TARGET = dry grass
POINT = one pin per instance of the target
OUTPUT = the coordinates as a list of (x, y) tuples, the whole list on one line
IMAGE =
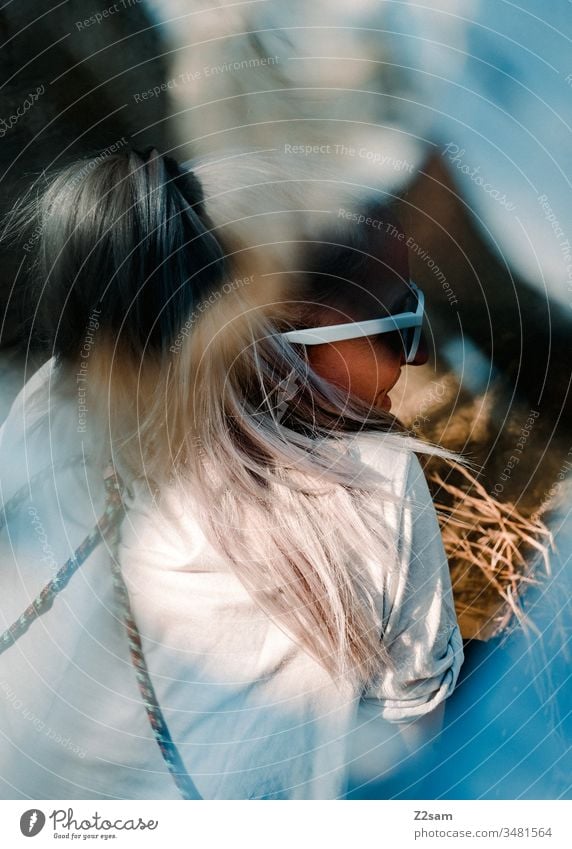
[(494, 552)]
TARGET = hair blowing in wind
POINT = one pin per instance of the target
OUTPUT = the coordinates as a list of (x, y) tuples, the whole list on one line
[(187, 375)]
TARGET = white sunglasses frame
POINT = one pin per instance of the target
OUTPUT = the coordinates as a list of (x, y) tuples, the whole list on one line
[(371, 327)]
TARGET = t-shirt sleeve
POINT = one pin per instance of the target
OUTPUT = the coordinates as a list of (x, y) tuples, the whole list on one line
[(421, 631)]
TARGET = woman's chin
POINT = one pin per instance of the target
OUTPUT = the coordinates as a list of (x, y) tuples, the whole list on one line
[(384, 403)]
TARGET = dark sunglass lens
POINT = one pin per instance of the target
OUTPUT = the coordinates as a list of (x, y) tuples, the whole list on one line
[(412, 302), (397, 342), (407, 339), (408, 333)]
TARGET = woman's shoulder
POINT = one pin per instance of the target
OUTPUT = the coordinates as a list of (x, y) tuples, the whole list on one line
[(391, 455), (25, 406), (40, 437)]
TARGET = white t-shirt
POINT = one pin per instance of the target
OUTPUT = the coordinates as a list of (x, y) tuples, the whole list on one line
[(253, 715)]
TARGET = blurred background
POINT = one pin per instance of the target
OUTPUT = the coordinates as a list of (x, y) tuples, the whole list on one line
[(459, 109)]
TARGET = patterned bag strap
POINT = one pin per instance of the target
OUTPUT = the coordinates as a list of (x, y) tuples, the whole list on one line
[(106, 529), (45, 599), (170, 753)]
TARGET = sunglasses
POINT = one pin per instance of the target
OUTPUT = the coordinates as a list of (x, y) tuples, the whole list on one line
[(408, 324)]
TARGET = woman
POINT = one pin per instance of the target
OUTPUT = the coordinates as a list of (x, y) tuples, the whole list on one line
[(279, 559)]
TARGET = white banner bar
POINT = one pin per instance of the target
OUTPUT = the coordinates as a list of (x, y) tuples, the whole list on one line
[(291, 825)]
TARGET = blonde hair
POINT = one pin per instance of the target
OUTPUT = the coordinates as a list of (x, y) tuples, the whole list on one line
[(268, 470)]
